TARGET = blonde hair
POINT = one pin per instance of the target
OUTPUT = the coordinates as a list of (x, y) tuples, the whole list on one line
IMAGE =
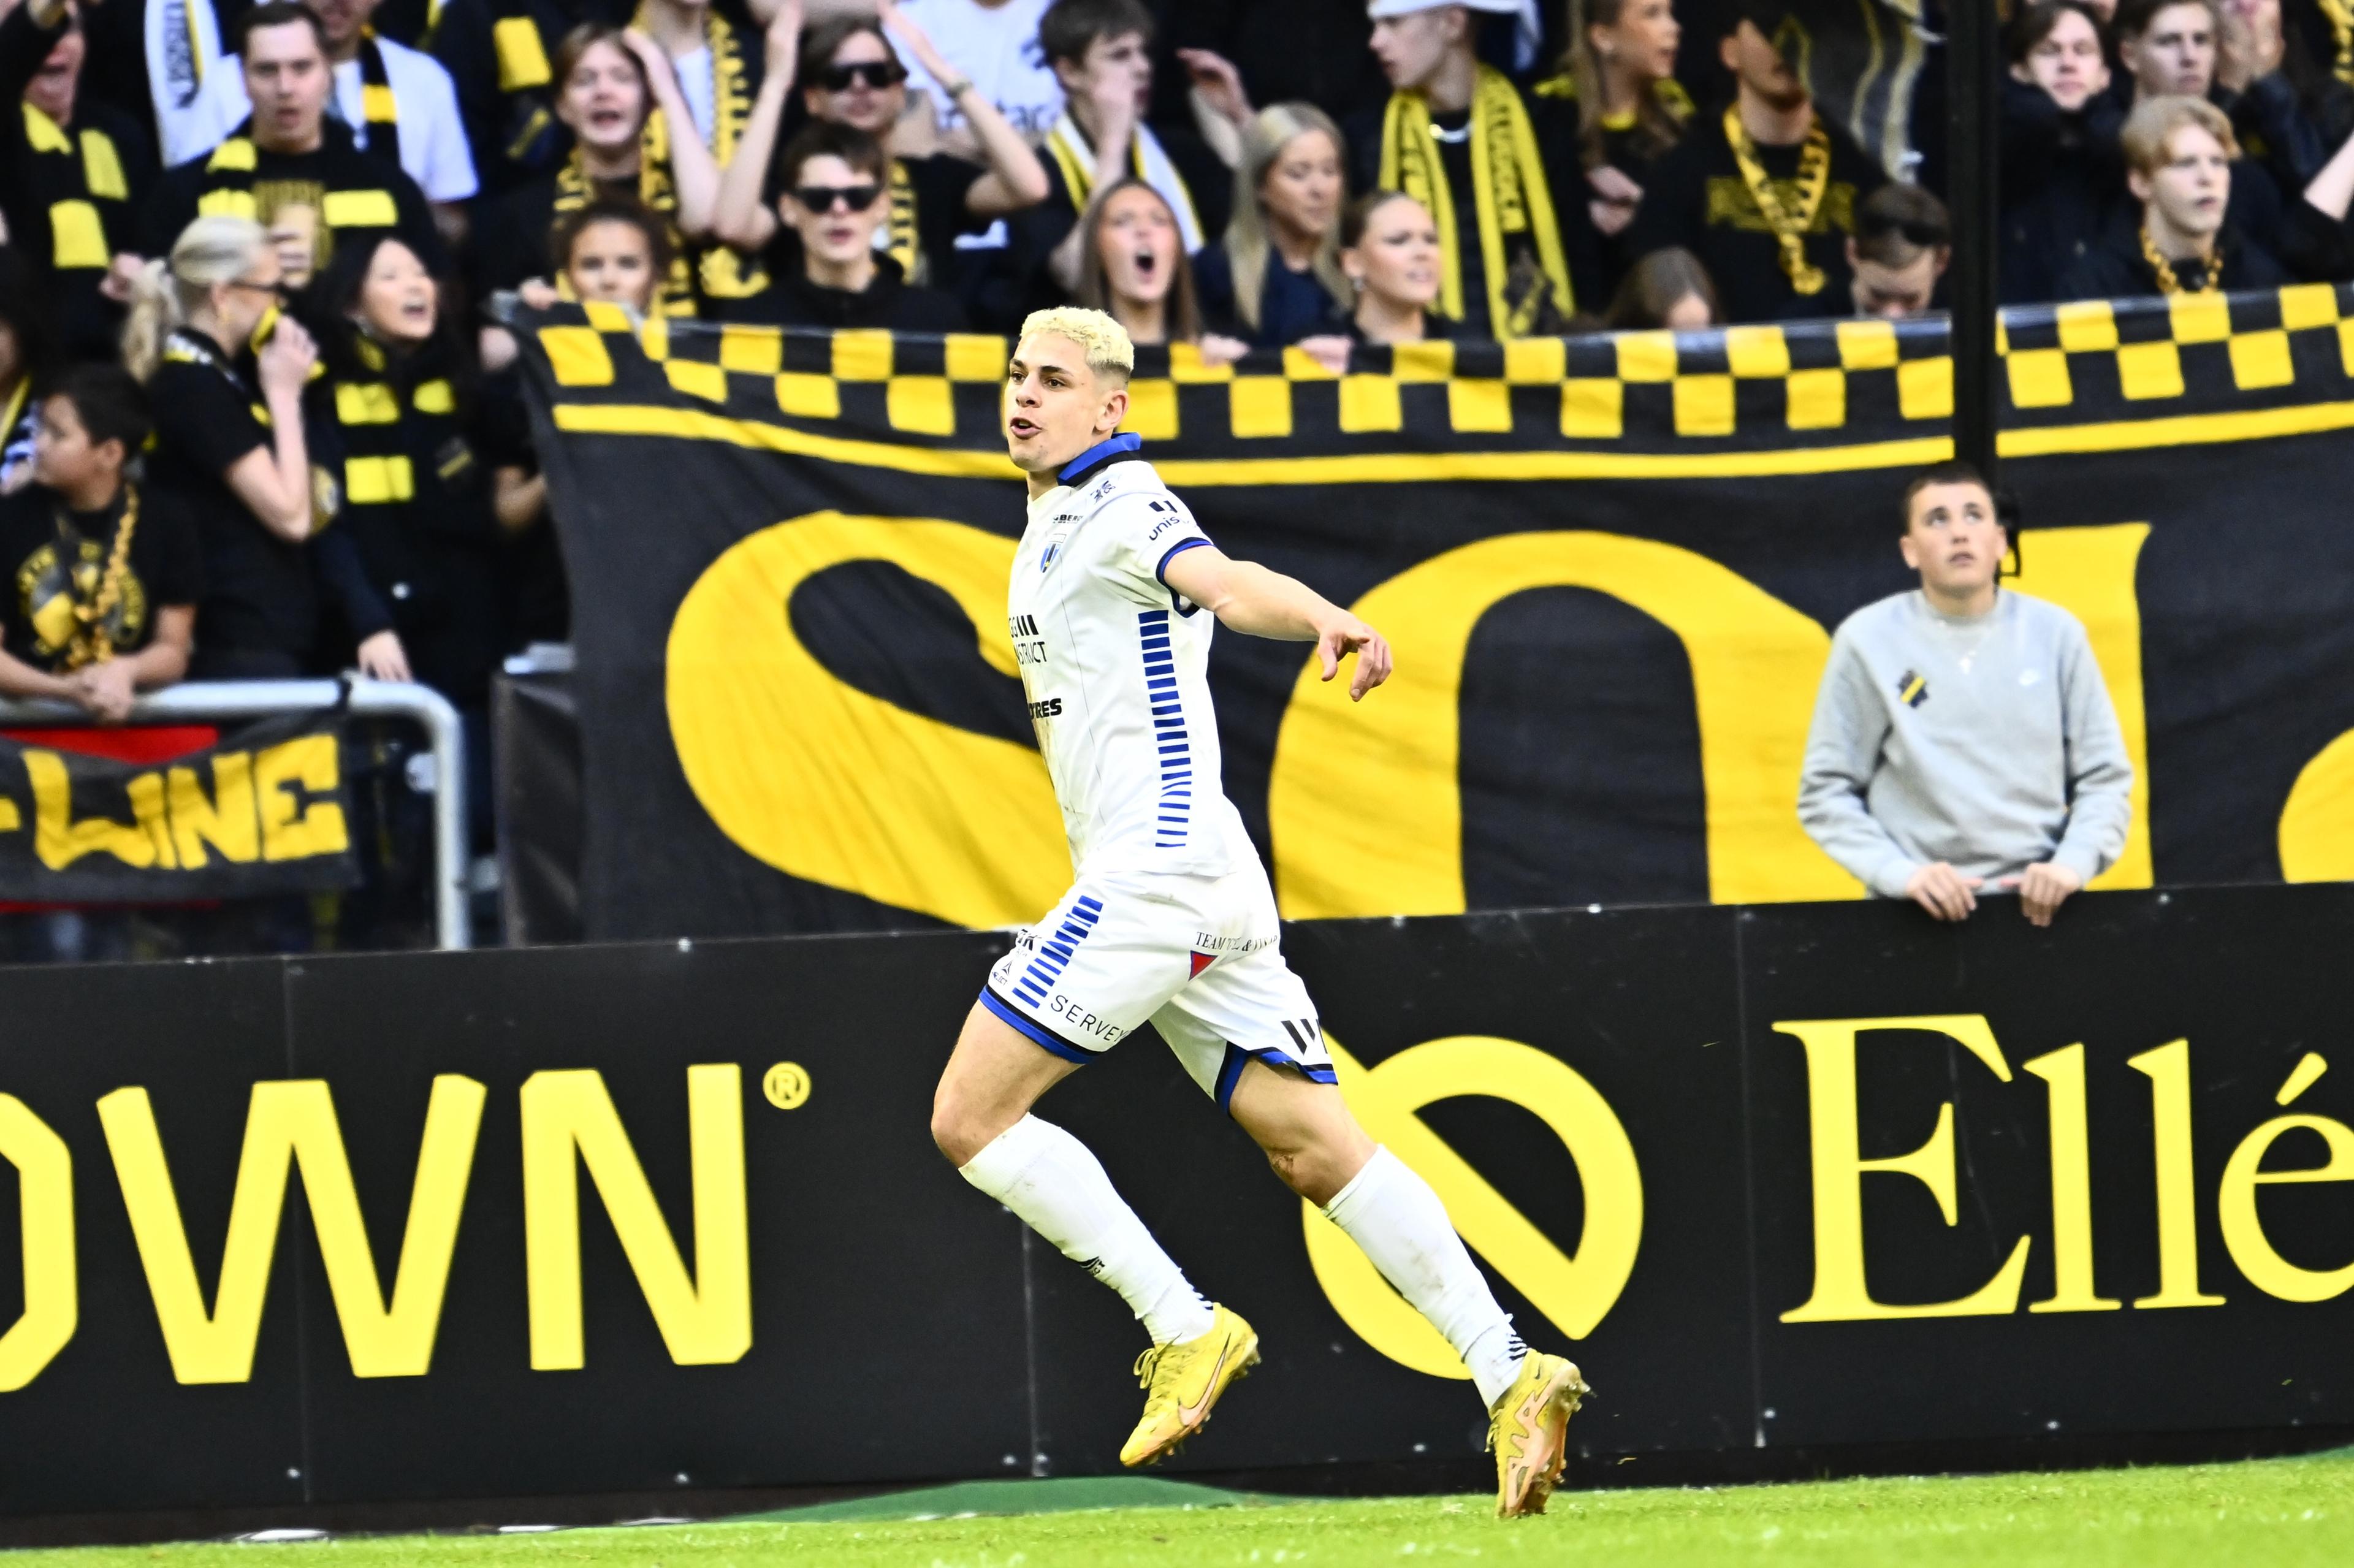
[(213, 250), (2154, 121), (1273, 128), (1103, 340)]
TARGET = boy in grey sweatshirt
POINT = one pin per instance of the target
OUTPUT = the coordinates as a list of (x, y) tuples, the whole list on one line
[(1963, 737)]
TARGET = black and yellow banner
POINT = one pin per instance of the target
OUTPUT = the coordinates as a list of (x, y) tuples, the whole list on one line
[(1610, 567), (667, 1216), (262, 812)]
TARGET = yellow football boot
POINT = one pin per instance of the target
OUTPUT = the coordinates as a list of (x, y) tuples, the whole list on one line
[(1181, 1381), (1529, 1433)]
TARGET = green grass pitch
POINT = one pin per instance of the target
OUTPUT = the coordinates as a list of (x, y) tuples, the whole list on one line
[(2278, 1513)]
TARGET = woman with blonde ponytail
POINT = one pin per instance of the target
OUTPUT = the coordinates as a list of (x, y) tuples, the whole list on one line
[(228, 440), (1276, 278)]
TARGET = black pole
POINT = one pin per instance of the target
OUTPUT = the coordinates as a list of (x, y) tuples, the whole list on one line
[(1972, 68)]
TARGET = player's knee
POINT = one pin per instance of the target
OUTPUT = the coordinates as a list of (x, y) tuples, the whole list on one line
[(955, 1130)]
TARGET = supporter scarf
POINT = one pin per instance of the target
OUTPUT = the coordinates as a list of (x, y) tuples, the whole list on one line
[(87, 174), (1071, 155), (378, 105), (393, 418), (901, 230), (2339, 14), (1509, 193), (575, 190), (725, 275), (93, 594), (1789, 224), (2170, 284), (178, 33)]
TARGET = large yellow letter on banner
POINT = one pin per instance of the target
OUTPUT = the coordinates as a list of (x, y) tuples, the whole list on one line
[(1363, 805), (294, 1122), (831, 785), (1574, 1292), (2089, 572)]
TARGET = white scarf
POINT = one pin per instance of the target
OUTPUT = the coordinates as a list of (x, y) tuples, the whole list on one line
[(1069, 145), (182, 39)]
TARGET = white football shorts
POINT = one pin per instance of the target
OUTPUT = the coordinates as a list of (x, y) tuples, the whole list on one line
[(1194, 956)]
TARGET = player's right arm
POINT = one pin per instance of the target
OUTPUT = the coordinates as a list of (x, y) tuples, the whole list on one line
[(1262, 603)]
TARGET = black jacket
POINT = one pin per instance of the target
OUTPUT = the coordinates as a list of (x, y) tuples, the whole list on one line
[(2115, 267), (889, 301), (2062, 177)]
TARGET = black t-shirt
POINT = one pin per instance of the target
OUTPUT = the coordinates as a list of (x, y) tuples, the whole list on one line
[(56, 558), (350, 191), (512, 232), (889, 301), (260, 603), (1697, 198)]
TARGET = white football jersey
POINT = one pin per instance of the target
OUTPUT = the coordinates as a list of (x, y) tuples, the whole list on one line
[(1116, 667)]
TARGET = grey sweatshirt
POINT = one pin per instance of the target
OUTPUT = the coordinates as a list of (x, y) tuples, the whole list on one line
[(1989, 743)]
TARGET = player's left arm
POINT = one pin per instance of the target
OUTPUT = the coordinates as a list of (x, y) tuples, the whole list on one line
[(1261, 603)]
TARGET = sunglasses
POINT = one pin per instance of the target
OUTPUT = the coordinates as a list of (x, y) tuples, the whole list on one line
[(820, 198), (864, 73), (275, 291)]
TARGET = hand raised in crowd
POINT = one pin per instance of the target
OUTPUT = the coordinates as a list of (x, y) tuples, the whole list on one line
[(382, 658), (1616, 198), (538, 292), (2252, 46), (105, 690), (661, 79), (902, 28), (121, 275), (784, 41), (1113, 94), (2043, 889), (1944, 892), (286, 360), (1219, 83)]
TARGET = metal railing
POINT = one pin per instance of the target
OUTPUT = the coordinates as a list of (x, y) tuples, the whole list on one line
[(196, 701)]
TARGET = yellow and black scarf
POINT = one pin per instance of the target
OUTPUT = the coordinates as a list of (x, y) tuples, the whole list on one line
[(378, 105), (1788, 221), (575, 190), (2339, 14), (72, 175), (1511, 196), (724, 274)]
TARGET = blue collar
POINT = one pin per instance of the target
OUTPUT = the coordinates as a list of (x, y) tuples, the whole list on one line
[(1102, 453)]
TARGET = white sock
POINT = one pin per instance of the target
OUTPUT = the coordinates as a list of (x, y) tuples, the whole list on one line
[(1398, 1222), (1060, 1189)]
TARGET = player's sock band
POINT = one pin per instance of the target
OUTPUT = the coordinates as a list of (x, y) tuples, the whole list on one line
[(1398, 1222), (1061, 1190)]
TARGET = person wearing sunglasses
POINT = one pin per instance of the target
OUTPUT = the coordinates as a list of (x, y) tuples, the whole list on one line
[(229, 445), (826, 272), (1903, 243), (941, 220)]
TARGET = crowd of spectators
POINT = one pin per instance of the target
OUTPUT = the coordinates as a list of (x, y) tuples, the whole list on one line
[(256, 242)]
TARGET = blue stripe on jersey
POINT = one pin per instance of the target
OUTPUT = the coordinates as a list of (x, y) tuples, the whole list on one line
[(1169, 728), (1230, 1070), (1055, 953), (1036, 1033)]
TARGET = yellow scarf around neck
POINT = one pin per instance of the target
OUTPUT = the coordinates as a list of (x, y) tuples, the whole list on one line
[(1511, 194)]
